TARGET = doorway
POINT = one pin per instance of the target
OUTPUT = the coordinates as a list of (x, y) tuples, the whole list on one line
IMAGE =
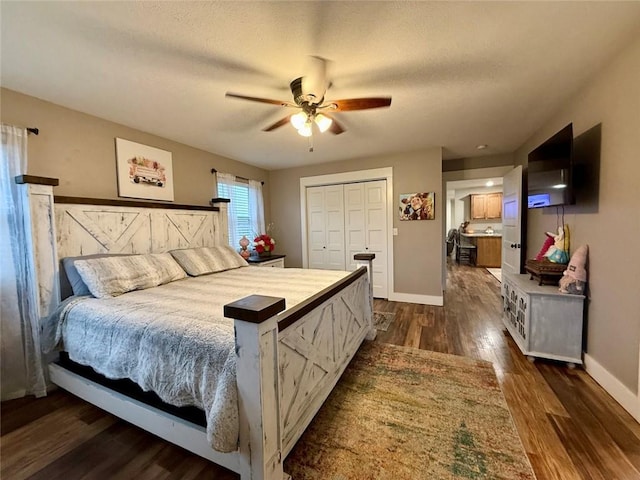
[(474, 203)]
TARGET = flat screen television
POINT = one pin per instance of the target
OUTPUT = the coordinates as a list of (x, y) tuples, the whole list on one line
[(550, 170)]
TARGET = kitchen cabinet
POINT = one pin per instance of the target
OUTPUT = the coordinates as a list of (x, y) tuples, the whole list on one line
[(488, 248), (494, 205), (486, 206), (489, 251)]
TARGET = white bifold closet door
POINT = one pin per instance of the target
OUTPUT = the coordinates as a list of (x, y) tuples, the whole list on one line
[(325, 223), (365, 220)]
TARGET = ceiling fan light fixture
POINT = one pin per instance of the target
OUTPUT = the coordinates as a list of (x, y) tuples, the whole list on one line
[(323, 122), (298, 120), (306, 130)]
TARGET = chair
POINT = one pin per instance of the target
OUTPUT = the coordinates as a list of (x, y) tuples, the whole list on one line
[(451, 240), (465, 251)]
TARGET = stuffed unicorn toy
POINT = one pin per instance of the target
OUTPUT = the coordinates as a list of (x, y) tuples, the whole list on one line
[(559, 251)]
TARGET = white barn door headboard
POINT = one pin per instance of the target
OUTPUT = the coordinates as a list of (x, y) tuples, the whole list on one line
[(83, 229)]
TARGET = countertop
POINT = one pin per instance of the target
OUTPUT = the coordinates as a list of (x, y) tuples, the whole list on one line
[(481, 234)]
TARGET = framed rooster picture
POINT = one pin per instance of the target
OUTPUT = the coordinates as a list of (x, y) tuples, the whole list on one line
[(417, 206)]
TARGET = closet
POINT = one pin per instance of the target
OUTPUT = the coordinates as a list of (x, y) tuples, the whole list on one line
[(346, 219), (325, 221)]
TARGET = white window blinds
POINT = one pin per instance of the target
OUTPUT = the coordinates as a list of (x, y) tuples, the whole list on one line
[(245, 208)]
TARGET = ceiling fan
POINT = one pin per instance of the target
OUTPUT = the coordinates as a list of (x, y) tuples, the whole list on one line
[(308, 97)]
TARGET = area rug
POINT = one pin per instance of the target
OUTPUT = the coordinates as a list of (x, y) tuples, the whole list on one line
[(400, 413), (496, 272), (382, 320)]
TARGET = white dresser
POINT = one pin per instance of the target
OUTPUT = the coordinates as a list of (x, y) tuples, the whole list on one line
[(543, 322)]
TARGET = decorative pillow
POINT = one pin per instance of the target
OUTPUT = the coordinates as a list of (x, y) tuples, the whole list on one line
[(204, 260), (72, 283), (113, 276)]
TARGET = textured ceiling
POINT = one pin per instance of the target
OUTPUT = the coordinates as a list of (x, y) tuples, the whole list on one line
[(460, 74)]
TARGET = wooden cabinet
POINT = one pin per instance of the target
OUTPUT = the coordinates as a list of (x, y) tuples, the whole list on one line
[(494, 205), (489, 252), (478, 207), (486, 206), (543, 322)]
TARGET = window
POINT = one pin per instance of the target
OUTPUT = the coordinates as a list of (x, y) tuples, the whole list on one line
[(246, 215)]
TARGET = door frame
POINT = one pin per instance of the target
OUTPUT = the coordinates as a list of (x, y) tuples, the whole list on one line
[(358, 176)]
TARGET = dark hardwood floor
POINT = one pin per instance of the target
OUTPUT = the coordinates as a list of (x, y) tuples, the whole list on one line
[(570, 428)]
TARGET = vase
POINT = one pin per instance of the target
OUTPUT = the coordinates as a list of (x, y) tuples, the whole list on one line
[(265, 254), (244, 242)]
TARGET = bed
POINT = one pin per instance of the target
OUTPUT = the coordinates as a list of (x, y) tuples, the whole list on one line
[(289, 353)]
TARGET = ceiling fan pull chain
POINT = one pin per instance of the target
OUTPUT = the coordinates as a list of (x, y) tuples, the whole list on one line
[(310, 137)]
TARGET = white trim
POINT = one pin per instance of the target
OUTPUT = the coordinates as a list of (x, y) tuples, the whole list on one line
[(385, 173), (629, 400), (417, 298)]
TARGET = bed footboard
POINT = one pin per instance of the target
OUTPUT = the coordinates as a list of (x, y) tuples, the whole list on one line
[(314, 351), (288, 364)]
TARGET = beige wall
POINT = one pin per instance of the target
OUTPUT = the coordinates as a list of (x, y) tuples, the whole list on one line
[(613, 100), (417, 248), (477, 163), (79, 149)]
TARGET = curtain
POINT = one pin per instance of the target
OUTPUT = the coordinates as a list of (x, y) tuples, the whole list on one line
[(225, 190), (22, 370), (256, 206)]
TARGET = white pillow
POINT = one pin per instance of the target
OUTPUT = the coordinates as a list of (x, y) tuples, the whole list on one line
[(113, 276), (204, 260), (73, 284)]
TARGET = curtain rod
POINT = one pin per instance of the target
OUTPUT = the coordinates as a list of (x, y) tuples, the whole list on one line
[(213, 171), (33, 130)]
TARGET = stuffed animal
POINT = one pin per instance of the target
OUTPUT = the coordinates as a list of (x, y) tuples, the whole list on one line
[(548, 242), (574, 278), (559, 251)]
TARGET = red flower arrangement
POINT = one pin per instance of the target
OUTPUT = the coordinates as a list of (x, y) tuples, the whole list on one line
[(264, 243)]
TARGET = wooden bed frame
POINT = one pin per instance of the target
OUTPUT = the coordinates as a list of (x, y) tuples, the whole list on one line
[(287, 362)]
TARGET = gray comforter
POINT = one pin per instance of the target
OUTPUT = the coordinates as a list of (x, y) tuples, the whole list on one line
[(174, 340)]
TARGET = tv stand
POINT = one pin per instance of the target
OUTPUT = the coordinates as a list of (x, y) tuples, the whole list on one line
[(543, 322)]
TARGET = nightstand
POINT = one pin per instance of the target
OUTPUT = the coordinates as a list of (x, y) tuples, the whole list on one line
[(276, 261)]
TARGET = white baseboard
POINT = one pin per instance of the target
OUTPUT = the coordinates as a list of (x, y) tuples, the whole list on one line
[(629, 400), (416, 298)]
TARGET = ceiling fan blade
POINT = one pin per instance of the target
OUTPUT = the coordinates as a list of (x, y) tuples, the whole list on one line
[(278, 124), (335, 127), (281, 103), (359, 103)]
